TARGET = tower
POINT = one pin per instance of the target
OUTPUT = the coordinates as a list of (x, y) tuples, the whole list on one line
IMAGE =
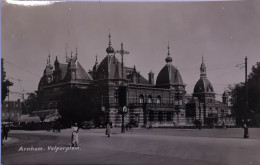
[(151, 77)]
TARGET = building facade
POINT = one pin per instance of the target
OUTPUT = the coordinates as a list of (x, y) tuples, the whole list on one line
[(203, 106), (161, 103), (11, 111)]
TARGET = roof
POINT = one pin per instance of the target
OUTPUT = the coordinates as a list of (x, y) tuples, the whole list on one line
[(81, 73), (203, 85), (169, 75), (110, 68)]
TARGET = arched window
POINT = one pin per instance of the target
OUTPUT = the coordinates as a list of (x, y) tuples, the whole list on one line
[(158, 100), (141, 98), (149, 99)]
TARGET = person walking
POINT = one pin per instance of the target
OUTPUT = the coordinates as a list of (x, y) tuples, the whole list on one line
[(108, 130), (5, 132), (75, 136)]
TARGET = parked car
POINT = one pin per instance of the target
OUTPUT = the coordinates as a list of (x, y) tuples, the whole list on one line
[(87, 125)]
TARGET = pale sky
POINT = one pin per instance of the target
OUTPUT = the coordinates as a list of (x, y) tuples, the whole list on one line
[(225, 32)]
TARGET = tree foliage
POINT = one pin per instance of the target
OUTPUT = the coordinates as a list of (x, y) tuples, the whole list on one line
[(238, 93), (4, 83), (78, 105), (30, 104)]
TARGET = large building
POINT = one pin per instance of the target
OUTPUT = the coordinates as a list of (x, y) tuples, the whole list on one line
[(161, 102), (203, 106)]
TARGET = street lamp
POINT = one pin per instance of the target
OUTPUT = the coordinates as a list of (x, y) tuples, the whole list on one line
[(122, 101), (145, 113)]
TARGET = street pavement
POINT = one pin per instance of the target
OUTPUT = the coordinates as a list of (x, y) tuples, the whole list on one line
[(136, 147)]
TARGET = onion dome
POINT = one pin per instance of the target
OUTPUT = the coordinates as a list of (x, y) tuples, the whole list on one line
[(203, 85), (110, 50), (169, 75), (168, 58)]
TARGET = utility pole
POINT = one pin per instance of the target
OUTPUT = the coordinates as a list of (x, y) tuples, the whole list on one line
[(9, 119), (122, 52), (246, 133), (246, 117)]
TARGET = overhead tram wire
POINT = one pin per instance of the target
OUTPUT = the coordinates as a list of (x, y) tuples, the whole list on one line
[(22, 68)]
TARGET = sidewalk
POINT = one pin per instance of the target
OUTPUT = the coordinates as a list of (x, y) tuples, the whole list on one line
[(10, 140)]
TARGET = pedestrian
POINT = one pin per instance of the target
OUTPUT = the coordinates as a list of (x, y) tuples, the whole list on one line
[(5, 132), (58, 126), (108, 130), (2, 136), (224, 125), (75, 136)]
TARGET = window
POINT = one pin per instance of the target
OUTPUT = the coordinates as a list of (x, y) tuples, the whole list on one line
[(149, 99), (3, 114), (12, 114), (141, 98), (6, 105), (158, 100)]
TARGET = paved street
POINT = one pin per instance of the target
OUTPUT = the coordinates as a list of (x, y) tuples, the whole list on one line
[(137, 146)]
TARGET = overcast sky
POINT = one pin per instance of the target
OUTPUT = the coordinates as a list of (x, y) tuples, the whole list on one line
[(225, 32)]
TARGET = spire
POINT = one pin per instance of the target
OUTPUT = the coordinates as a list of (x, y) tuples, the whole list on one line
[(56, 60), (109, 35), (168, 48), (96, 59), (109, 50), (76, 56), (49, 58), (202, 68), (168, 58)]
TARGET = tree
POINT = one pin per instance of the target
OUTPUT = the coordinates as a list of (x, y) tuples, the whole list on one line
[(5, 83), (30, 104), (237, 94), (78, 105)]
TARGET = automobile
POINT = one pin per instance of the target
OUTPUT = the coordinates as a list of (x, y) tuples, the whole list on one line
[(87, 125)]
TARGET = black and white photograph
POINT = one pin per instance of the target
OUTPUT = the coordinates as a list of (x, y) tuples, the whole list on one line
[(130, 82)]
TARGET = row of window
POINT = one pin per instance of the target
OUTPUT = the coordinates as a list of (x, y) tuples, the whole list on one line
[(7, 114), (157, 101), (169, 116), (16, 105)]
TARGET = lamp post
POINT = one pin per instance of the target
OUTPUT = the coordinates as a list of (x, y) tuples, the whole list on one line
[(145, 113), (122, 101)]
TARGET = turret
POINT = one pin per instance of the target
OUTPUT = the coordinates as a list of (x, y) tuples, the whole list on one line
[(151, 77)]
